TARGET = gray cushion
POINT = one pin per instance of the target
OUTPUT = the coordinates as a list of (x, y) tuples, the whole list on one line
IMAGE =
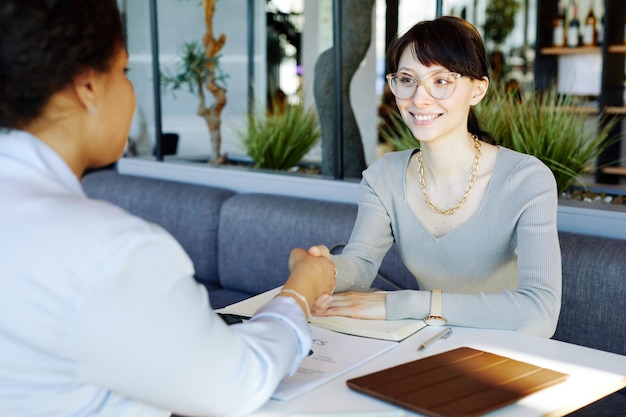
[(258, 231), (594, 291), (189, 212)]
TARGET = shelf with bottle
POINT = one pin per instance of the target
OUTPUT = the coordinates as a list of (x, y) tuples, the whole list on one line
[(587, 66), (566, 27), (574, 32)]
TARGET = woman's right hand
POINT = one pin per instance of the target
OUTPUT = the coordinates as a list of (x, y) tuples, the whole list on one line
[(362, 305), (312, 274)]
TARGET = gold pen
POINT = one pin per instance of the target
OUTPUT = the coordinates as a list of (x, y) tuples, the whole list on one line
[(444, 334)]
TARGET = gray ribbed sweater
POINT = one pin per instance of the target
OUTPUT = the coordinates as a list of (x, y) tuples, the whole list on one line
[(500, 269)]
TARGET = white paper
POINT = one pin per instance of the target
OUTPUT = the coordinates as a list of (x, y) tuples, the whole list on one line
[(395, 330), (332, 355)]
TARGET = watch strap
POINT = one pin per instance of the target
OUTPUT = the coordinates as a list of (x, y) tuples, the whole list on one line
[(435, 303), (435, 317)]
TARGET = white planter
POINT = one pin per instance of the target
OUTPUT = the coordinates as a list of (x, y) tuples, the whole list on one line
[(573, 216), (243, 180), (592, 218)]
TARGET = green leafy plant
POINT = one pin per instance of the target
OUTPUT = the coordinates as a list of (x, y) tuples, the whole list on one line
[(499, 23), (500, 20), (279, 140), (394, 131), (193, 69), (199, 70), (550, 126)]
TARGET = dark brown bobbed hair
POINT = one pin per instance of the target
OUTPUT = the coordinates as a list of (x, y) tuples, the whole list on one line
[(448, 41), (44, 44)]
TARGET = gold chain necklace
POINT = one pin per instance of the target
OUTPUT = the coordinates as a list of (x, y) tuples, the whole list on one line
[(468, 189)]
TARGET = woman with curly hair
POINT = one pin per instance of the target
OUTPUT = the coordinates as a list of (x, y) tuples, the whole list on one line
[(100, 314)]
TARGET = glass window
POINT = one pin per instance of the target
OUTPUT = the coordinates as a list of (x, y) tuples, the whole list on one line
[(290, 38)]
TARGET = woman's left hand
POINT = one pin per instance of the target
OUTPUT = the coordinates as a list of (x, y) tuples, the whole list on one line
[(360, 305)]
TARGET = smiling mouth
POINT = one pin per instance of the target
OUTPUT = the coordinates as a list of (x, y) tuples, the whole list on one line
[(425, 117)]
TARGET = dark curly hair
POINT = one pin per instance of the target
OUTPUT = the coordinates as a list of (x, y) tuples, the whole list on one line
[(448, 41), (44, 44)]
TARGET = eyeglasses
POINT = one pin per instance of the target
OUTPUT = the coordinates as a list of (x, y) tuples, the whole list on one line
[(439, 85)]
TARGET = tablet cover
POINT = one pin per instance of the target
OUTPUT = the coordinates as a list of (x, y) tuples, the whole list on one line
[(460, 382)]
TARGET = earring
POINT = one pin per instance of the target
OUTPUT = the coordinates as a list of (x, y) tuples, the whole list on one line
[(93, 110)]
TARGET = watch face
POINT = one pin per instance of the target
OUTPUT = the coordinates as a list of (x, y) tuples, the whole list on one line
[(435, 321)]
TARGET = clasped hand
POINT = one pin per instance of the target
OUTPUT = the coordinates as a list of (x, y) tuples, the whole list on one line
[(361, 305)]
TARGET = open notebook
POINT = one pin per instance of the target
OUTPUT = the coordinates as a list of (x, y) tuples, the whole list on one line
[(460, 382), (395, 330)]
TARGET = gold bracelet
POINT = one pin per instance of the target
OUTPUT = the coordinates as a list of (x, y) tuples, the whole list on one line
[(300, 296)]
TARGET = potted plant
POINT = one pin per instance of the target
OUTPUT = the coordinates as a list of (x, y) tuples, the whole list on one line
[(550, 126), (499, 22), (278, 138), (199, 71)]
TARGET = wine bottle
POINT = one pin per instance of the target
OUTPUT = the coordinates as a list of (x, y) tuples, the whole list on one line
[(573, 30), (558, 27), (589, 29)]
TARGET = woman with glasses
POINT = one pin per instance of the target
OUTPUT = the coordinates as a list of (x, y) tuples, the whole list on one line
[(100, 314), (475, 223)]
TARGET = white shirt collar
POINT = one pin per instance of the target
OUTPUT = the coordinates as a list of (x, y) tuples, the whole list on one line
[(27, 149)]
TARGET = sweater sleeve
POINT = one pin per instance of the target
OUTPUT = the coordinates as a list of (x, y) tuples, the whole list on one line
[(371, 237)]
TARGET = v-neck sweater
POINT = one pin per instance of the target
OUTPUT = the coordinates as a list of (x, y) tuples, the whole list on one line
[(499, 269)]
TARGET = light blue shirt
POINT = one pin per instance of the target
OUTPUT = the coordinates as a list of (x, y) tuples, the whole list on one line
[(100, 315)]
